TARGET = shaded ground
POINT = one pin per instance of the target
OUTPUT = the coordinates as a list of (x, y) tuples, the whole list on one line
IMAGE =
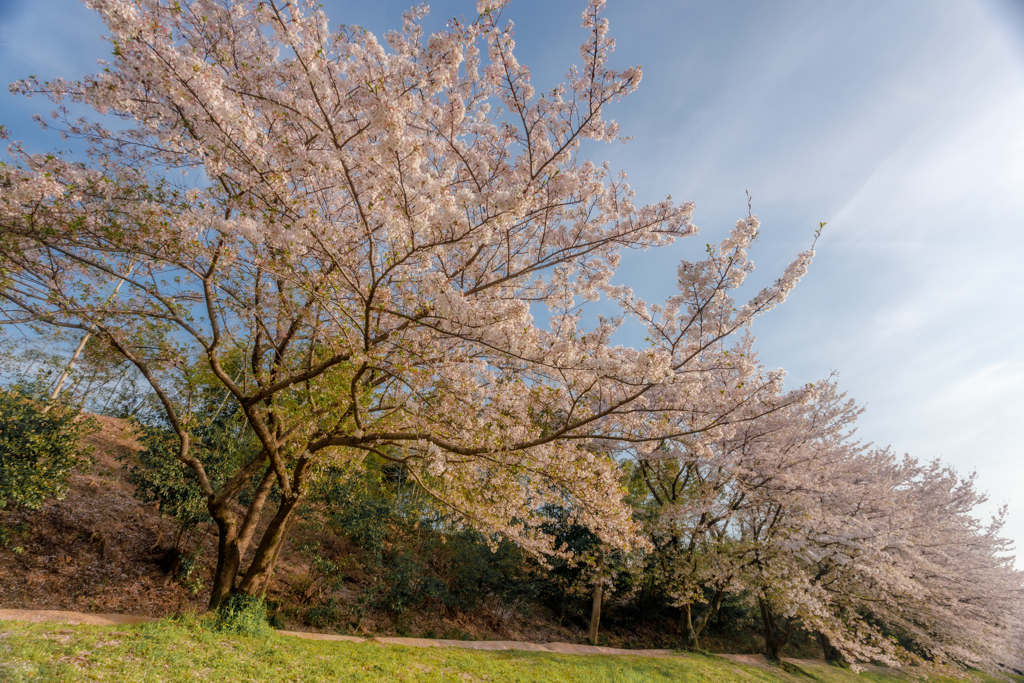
[(99, 549)]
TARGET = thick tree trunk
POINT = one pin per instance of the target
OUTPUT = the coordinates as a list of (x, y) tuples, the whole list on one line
[(775, 635), (595, 609), (229, 559), (233, 540), (690, 635), (832, 655)]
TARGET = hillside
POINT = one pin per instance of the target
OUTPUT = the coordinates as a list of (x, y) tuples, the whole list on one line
[(101, 550)]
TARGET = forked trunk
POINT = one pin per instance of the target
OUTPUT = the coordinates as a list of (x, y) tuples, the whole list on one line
[(832, 655), (233, 541), (693, 628), (261, 569), (775, 635)]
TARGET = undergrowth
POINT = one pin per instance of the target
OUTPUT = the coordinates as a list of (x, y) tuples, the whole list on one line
[(244, 615)]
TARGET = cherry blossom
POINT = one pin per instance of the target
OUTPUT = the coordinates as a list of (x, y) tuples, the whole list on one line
[(359, 266)]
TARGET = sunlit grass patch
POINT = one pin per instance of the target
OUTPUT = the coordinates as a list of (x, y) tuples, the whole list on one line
[(190, 650)]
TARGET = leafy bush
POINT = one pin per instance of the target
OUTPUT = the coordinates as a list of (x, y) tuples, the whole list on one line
[(407, 583), (187, 574), (566, 589), (322, 616), (159, 477), (414, 552), (37, 450), (244, 615)]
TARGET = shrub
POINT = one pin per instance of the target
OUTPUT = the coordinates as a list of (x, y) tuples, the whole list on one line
[(222, 442), (324, 615), (243, 615), (37, 450)]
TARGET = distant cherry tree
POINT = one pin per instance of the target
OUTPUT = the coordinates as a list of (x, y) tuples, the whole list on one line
[(883, 558)]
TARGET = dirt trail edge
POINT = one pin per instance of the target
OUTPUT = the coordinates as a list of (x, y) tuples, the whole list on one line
[(560, 648)]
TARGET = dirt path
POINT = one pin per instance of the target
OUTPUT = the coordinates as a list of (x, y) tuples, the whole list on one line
[(561, 648), (71, 617)]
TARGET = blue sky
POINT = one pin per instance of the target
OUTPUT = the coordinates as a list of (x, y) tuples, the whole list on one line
[(899, 122)]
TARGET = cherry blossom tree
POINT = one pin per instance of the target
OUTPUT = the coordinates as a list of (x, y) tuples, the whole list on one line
[(914, 562), (359, 264), (705, 487), (882, 557), (885, 560)]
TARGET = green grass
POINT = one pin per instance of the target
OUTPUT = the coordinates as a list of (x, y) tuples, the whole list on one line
[(190, 651)]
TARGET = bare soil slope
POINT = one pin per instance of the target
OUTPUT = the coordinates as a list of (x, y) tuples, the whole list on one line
[(99, 549)]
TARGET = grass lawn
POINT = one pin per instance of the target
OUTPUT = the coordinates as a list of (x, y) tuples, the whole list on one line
[(187, 651)]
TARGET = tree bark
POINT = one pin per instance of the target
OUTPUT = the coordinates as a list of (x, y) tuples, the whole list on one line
[(261, 569), (775, 635), (595, 609), (234, 539), (832, 655), (691, 630), (229, 559), (686, 621)]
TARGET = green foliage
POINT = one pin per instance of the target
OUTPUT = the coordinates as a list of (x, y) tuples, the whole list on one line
[(323, 616), (407, 583), (222, 442), (7, 533), (474, 571), (365, 520), (188, 574), (159, 477), (243, 615), (567, 587), (414, 553), (37, 450)]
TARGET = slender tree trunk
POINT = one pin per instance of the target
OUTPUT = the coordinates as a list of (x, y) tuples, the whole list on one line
[(595, 609), (832, 655), (68, 368), (261, 569), (775, 635), (81, 346), (691, 629)]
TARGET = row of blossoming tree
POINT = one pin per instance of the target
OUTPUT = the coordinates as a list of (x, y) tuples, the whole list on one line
[(356, 246)]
